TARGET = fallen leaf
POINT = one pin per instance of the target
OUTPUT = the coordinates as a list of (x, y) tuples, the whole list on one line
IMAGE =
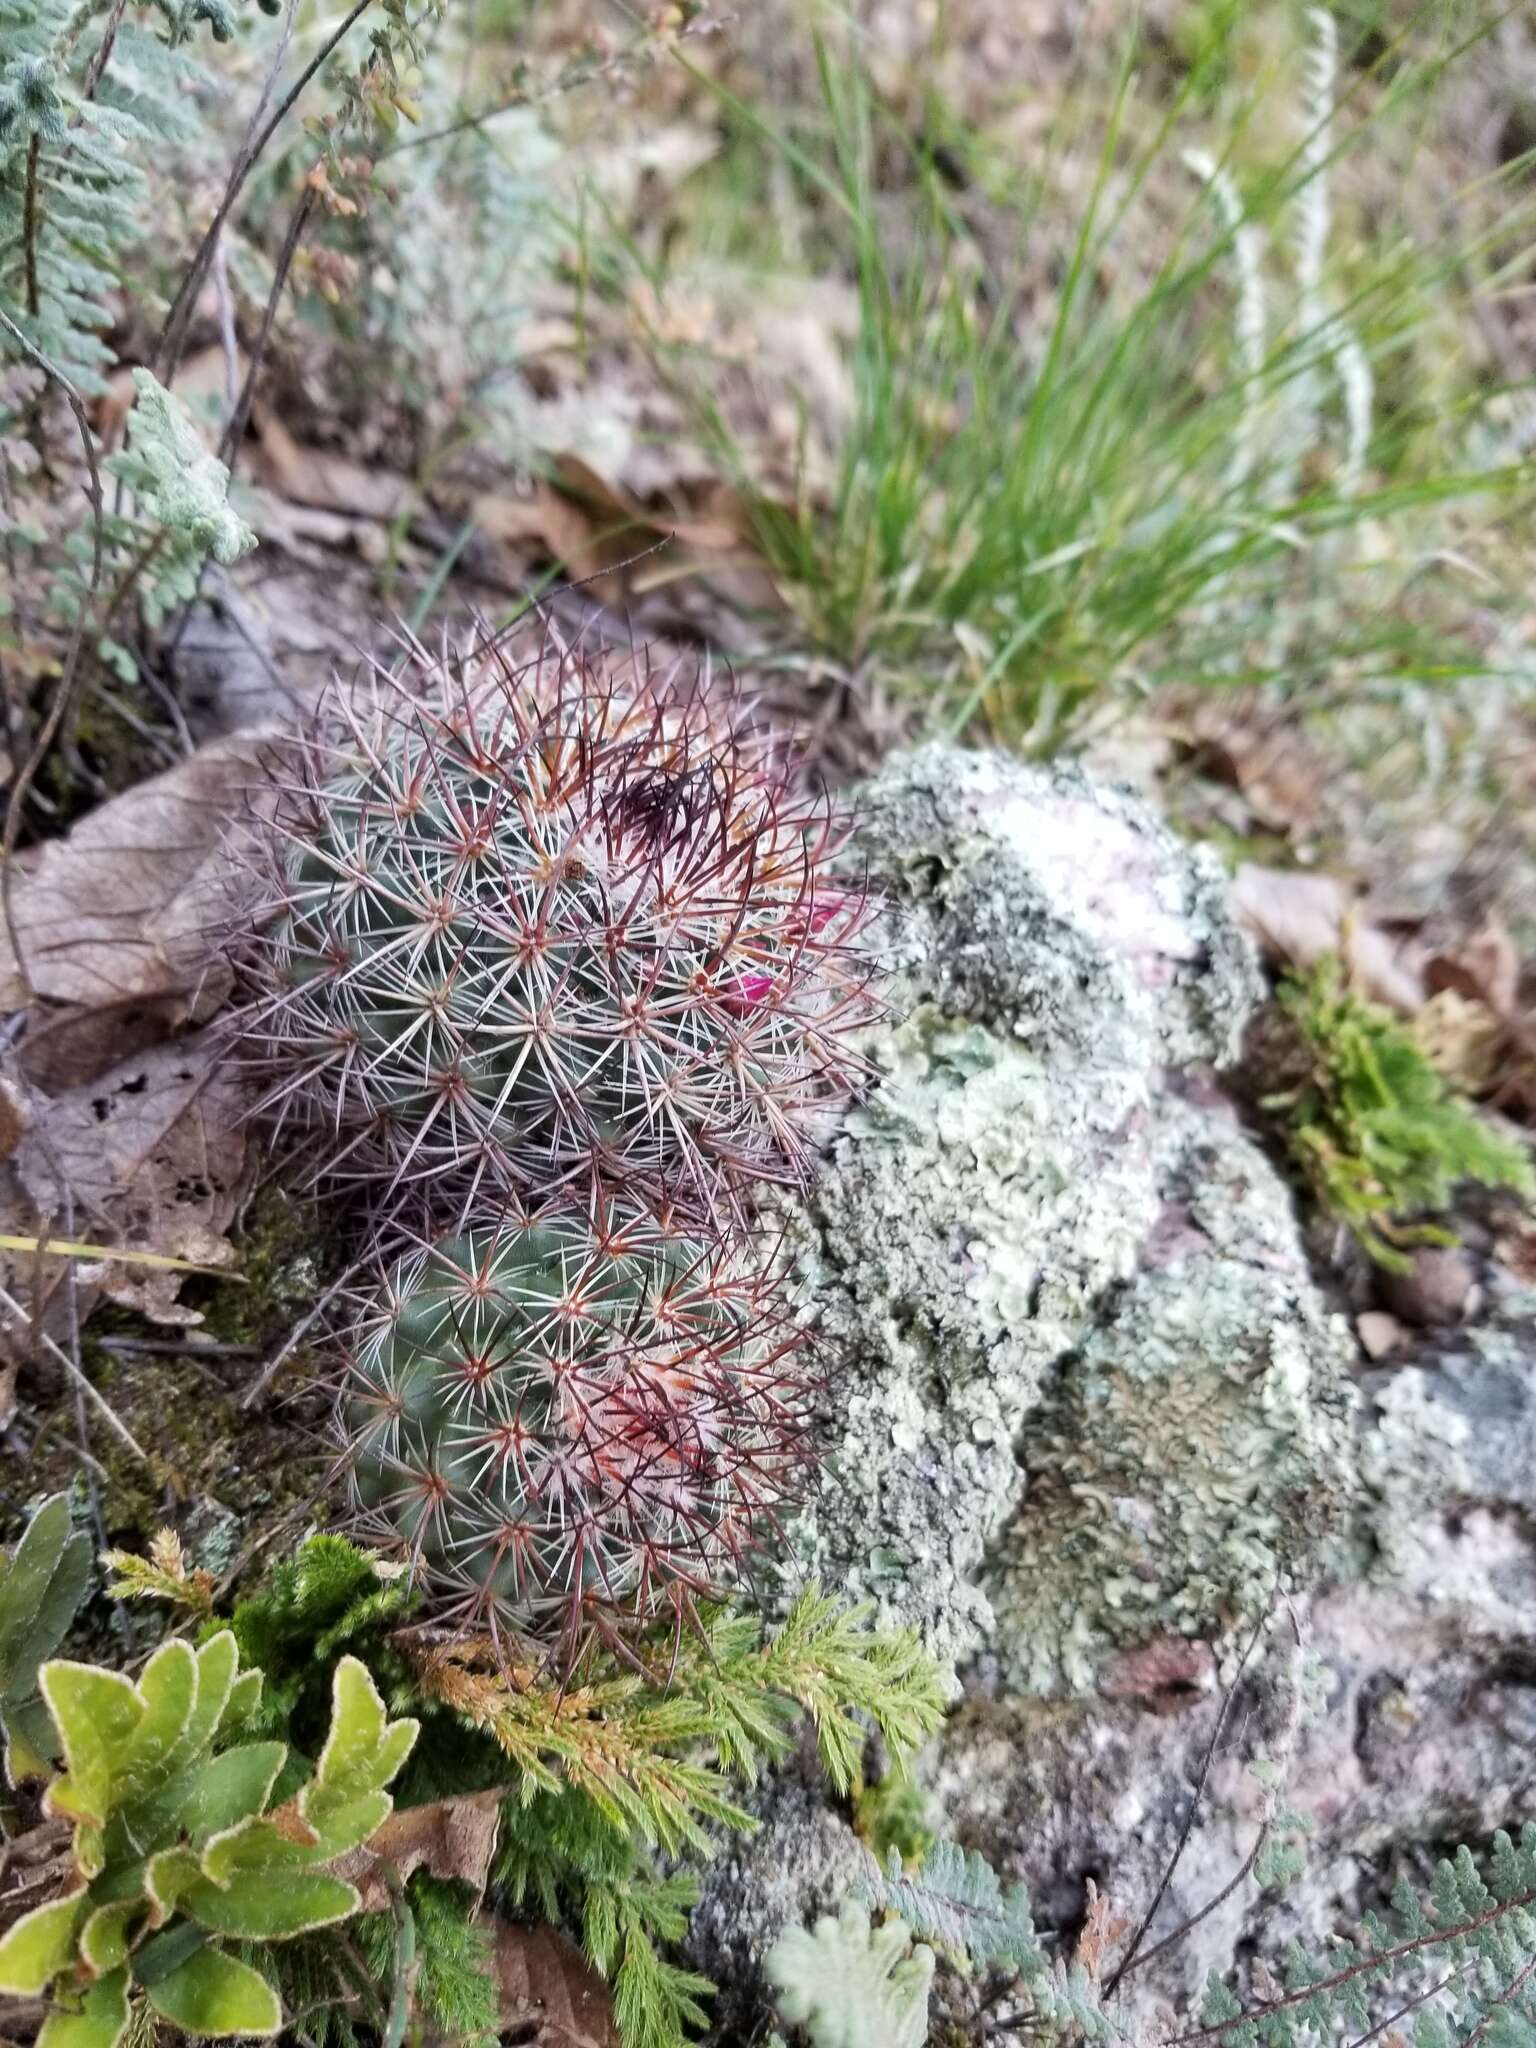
[(452, 1838), (122, 910), (544, 1978), (1462, 1038), (1277, 772), (13, 1119), (325, 480), (264, 652), (717, 520), (155, 1148), (546, 520), (1102, 1929), (1297, 918), (1484, 968)]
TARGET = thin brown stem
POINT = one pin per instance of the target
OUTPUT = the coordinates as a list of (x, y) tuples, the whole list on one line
[(582, 71), (1224, 1714), (173, 334), (29, 225), (234, 432), (1266, 1827), (1384, 1960), (96, 69)]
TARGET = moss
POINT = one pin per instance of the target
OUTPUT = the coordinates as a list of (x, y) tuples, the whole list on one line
[(218, 1471), (286, 1261), (1379, 1136)]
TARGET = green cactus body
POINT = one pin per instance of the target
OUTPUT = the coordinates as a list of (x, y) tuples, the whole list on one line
[(574, 1412), (559, 925)]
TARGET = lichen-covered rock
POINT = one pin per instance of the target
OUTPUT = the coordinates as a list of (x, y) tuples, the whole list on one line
[(1022, 1162), (1198, 1446), (1420, 1720), (803, 1859)]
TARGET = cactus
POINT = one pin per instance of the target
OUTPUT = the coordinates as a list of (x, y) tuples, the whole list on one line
[(180, 1846), (559, 923), (574, 1416), (42, 1583)]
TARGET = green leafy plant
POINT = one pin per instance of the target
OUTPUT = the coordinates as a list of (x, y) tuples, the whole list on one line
[(182, 1844), (84, 106), (1378, 1134), (852, 1985), (956, 1901), (617, 1769), (42, 1583), (1461, 1957)]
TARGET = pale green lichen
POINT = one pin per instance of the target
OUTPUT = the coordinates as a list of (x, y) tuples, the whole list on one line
[(1459, 1430), (1198, 1454), (1054, 953)]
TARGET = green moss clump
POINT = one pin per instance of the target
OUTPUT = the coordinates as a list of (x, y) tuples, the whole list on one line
[(1380, 1137), (285, 1263)]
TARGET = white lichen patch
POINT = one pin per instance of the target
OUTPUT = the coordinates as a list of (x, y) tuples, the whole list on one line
[(1014, 1209), (1197, 1455)]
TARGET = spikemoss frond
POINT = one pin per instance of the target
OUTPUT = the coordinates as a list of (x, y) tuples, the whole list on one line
[(1380, 1136)]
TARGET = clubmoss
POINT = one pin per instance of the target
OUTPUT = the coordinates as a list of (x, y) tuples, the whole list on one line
[(1380, 1137)]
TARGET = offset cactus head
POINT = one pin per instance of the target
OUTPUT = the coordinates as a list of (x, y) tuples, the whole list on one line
[(558, 924), (571, 1415)]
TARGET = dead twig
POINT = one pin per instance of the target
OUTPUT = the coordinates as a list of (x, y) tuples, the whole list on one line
[(173, 335), (77, 1378), (1224, 1714)]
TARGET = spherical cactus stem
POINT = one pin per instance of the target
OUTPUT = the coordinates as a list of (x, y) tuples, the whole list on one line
[(534, 925), (576, 1415)]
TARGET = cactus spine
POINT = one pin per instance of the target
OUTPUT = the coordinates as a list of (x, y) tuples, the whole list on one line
[(574, 1410), (545, 925)]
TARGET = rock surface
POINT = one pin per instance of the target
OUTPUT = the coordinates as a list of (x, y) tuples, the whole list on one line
[(1094, 1421), (1086, 1395)]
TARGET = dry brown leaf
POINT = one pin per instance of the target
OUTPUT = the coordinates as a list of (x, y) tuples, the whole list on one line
[(1297, 918), (325, 480), (1462, 1038), (121, 912), (1484, 968), (13, 1119), (1102, 1929), (546, 520), (452, 1838), (1277, 772), (544, 1978), (717, 521), (156, 1149)]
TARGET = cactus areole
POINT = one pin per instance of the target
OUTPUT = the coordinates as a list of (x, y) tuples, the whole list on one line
[(574, 1414), (554, 924)]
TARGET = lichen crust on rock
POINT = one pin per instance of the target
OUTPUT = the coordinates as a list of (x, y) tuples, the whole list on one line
[(1019, 1205)]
